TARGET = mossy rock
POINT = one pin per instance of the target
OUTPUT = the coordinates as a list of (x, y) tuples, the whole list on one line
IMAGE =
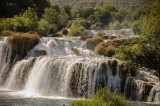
[(40, 52), (75, 50), (92, 42), (21, 43), (114, 67)]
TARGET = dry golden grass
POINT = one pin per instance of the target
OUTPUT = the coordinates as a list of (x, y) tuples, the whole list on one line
[(25, 35), (92, 42)]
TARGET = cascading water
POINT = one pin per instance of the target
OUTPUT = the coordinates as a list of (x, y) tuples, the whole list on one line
[(5, 54), (65, 67)]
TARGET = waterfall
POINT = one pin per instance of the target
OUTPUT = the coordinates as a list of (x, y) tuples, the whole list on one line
[(65, 67), (154, 95), (5, 55), (65, 75), (60, 46)]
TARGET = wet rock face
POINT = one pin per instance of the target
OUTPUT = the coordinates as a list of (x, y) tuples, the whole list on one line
[(40, 52), (20, 46), (137, 89), (142, 87), (154, 95)]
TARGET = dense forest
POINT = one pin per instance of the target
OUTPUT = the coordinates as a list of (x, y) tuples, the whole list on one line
[(45, 17), (129, 5)]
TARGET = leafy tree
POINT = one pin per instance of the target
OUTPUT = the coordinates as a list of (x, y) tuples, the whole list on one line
[(31, 15), (151, 39), (75, 31), (86, 12), (63, 19), (66, 7), (51, 16), (9, 8), (80, 22), (43, 27)]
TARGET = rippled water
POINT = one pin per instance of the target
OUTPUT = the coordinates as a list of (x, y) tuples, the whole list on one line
[(7, 98), (10, 98)]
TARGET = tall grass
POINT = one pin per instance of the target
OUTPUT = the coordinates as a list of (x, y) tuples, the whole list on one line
[(103, 97), (32, 36)]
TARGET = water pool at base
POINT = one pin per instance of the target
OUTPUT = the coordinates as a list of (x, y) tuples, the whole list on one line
[(10, 98)]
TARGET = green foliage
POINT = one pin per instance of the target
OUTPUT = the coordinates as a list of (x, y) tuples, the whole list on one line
[(103, 97), (43, 27), (136, 26), (9, 8), (51, 16), (115, 25), (28, 21), (64, 31), (86, 12), (80, 22), (150, 39), (92, 42), (56, 18), (63, 19), (105, 51), (75, 31), (89, 103), (32, 17)]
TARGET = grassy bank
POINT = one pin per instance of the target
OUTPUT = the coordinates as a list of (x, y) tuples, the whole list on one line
[(103, 97)]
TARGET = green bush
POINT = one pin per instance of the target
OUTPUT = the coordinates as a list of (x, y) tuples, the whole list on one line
[(43, 27), (106, 51), (28, 21), (92, 42), (103, 97), (75, 31), (64, 31), (99, 49)]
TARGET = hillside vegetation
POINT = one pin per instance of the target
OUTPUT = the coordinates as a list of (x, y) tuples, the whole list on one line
[(127, 5)]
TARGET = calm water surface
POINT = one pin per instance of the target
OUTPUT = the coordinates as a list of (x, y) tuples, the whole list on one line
[(9, 98)]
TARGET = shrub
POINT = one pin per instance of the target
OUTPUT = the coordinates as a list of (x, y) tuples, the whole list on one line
[(103, 97), (75, 31), (89, 103), (120, 56), (110, 51), (29, 35), (92, 42), (43, 27), (115, 25), (64, 31), (6, 33), (106, 51), (99, 49)]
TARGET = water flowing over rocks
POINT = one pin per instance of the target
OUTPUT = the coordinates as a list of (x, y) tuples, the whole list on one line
[(66, 67)]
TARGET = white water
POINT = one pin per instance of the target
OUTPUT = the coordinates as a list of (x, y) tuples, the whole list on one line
[(5, 54), (64, 67), (55, 76)]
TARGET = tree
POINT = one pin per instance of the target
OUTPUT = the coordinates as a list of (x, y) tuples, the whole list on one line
[(31, 15), (63, 19), (151, 39), (52, 17), (9, 8), (86, 12), (75, 31)]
